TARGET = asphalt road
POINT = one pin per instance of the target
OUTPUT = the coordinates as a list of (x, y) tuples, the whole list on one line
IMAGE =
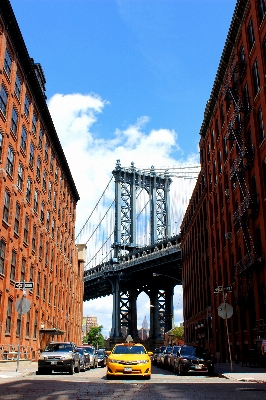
[(93, 385)]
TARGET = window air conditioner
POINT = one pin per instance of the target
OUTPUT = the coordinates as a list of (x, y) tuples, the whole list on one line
[(226, 192), (228, 235)]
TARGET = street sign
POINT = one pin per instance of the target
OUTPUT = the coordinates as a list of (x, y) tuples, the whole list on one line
[(227, 288), (22, 305), (218, 289), (225, 310), (25, 285)]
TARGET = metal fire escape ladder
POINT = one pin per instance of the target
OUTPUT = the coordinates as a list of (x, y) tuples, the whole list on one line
[(237, 171)]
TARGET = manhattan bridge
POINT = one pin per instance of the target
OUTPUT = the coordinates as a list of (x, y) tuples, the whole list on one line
[(133, 245)]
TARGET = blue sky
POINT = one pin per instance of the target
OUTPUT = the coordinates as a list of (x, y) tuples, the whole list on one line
[(128, 80)]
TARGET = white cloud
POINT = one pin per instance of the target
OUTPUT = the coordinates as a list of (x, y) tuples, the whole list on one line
[(91, 160)]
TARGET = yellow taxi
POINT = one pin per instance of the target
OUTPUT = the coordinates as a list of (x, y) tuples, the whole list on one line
[(128, 359)]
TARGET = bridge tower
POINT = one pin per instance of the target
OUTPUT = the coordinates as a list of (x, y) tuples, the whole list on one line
[(128, 183)]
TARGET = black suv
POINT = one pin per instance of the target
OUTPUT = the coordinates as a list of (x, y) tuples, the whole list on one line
[(191, 358), (59, 356)]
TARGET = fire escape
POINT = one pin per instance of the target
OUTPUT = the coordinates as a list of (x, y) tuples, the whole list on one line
[(244, 158)]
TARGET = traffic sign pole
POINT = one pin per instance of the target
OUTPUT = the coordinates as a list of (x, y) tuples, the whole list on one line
[(20, 328)]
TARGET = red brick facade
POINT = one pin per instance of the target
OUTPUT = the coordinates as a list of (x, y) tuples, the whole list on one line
[(37, 207), (223, 233)]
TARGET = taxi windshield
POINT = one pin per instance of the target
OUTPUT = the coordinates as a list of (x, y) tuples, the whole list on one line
[(129, 350)]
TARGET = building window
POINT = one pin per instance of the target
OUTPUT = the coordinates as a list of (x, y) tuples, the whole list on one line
[(8, 316), (23, 139), (256, 77), (34, 123), (18, 327), (7, 63), (2, 256), (260, 125), (56, 174), (28, 190), (13, 265), (52, 163), (38, 284), (46, 152), (46, 253), (222, 113), (50, 191), (14, 122), (31, 156), (38, 168), (6, 207), (3, 100), (261, 9), (35, 325), (42, 212), (17, 218), (27, 106), (55, 194), (44, 180), (48, 220), (40, 247), (53, 228), (35, 206), (32, 271), (251, 37), (20, 176), (33, 240), (1, 144), (22, 270), (10, 161), (26, 229), (18, 87), (246, 98)]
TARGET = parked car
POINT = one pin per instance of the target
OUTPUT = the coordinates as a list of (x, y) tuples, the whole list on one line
[(160, 355), (172, 356), (164, 357), (102, 356), (128, 359), (192, 358), (85, 360), (155, 355), (93, 355), (59, 356)]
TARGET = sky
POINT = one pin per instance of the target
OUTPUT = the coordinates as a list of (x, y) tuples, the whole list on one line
[(128, 80)]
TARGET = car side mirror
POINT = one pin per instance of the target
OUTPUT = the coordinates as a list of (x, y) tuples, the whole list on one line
[(150, 353)]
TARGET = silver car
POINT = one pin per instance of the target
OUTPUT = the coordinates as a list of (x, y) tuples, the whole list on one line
[(59, 356)]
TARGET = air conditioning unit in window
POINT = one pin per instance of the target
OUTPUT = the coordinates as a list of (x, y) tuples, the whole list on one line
[(228, 235), (227, 193)]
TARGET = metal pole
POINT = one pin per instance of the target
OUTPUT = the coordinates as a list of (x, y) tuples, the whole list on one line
[(20, 329), (228, 341)]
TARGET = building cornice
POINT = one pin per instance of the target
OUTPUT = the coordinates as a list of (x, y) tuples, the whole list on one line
[(27, 65), (228, 50)]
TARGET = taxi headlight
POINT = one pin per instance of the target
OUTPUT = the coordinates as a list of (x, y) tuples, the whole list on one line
[(143, 361), (114, 361)]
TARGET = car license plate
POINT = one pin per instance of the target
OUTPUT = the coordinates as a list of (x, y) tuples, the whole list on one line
[(53, 362), (198, 366), (127, 369)]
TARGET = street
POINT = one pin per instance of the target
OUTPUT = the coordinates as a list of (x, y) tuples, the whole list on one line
[(93, 385)]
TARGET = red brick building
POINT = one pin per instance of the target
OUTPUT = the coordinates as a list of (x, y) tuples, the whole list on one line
[(223, 233), (37, 206)]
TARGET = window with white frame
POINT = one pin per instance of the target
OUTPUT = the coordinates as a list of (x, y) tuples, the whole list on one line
[(7, 63), (20, 176), (14, 122), (3, 100), (10, 161), (23, 139), (6, 207)]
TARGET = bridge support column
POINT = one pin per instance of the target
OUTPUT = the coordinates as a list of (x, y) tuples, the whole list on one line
[(155, 332), (169, 308), (133, 329), (116, 325)]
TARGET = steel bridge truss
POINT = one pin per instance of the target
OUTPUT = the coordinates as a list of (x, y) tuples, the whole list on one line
[(128, 182)]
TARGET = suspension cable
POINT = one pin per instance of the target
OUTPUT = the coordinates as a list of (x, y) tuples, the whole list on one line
[(100, 221), (94, 207)]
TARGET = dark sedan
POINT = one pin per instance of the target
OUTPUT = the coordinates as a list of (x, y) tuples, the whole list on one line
[(191, 358), (85, 361), (102, 356)]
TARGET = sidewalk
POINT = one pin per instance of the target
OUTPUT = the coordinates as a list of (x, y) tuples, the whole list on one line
[(239, 373), (8, 369)]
